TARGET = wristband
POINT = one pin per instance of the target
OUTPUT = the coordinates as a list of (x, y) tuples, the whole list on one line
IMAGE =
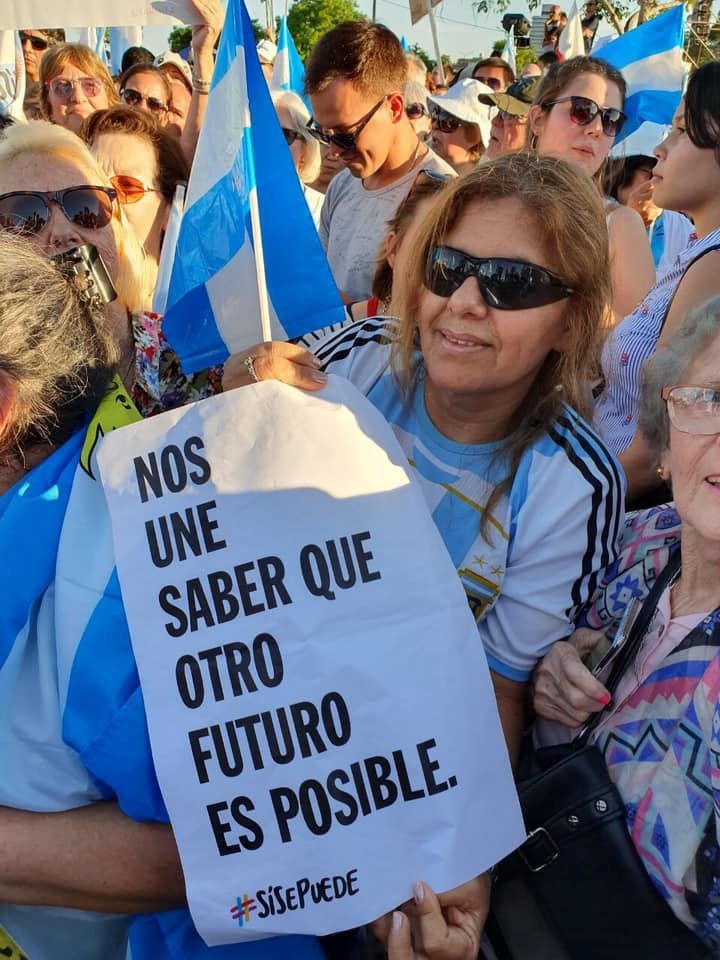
[(201, 86)]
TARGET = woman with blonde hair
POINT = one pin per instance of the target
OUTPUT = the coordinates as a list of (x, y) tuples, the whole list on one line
[(576, 115), (73, 84), (53, 191), (294, 117)]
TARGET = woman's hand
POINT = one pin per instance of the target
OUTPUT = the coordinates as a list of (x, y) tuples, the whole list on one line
[(274, 360), (563, 687), (206, 30), (437, 927)]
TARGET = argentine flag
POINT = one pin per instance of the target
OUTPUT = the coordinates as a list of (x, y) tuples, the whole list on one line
[(288, 72), (243, 171), (650, 58)]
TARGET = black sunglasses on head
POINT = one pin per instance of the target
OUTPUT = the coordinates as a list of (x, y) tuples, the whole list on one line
[(347, 140), (28, 211), (583, 111), (505, 284)]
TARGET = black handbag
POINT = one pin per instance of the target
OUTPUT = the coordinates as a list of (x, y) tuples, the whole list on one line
[(576, 889)]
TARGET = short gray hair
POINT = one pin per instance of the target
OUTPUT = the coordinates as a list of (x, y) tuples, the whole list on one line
[(299, 118), (666, 367)]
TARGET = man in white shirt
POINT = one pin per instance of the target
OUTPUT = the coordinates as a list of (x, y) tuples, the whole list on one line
[(354, 78)]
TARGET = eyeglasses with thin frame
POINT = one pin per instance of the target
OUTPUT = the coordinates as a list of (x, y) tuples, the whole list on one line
[(505, 284), (290, 135), (346, 140), (130, 189), (133, 98), (37, 43), (28, 211), (444, 121), (416, 110), (583, 111), (63, 88), (491, 82), (693, 410)]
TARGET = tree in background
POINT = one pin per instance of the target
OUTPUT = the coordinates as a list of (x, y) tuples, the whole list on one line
[(308, 20), (180, 37), (523, 55)]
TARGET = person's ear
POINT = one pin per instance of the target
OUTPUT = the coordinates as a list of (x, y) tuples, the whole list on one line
[(536, 120), (397, 106), (8, 393), (390, 247)]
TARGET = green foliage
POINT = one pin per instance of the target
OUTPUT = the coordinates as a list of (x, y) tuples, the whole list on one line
[(524, 56), (497, 48), (179, 38), (308, 20), (424, 56), (258, 30)]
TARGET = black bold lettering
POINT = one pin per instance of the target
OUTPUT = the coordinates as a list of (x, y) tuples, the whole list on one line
[(148, 474), (187, 664), (265, 645), (345, 575), (406, 788), (344, 818), (208, 525), (220, 828), (245, 589), (336, 719), (198, 606), (210, 657), (174, 468), (185, 533), (429, 767), (199, 754), (315, 807), (315, 571), (237, 660), (305, 720), (166, 594), (272, 573), (383, 789), (161, 556), (363, 556), (253, 838), (224, 600), (202, 474), (286, 808), (227, 751)]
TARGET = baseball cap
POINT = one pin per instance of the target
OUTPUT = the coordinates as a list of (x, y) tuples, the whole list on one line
[(171, 59), (463, 101), (517, 99)]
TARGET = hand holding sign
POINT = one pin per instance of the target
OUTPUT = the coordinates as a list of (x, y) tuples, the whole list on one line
[(311, 671)]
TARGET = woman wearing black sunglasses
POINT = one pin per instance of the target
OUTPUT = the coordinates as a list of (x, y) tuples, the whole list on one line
[(53, 191), (576, 115), (500, 306)]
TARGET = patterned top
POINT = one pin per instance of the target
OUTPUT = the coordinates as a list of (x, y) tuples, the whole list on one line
[(661, 742), (160, 384), (547, 540), (631, 342)]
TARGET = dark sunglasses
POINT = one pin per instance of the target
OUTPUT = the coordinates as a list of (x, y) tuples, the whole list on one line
[(28, 211), (491, 82), (445, 122), (505, 284), (37, 43), (290, 135), (415, 110), (348, 140), (583, 111), (133, 98), (130, 189)]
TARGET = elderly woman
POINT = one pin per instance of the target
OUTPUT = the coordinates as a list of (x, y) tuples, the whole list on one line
[(500, 303), (576, 115), (83, 827), (73, 84), (460, 124), (53, 190), (669, 700), (294, 117)]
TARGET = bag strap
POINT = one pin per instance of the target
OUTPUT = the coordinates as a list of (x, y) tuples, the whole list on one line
[(638, 630)]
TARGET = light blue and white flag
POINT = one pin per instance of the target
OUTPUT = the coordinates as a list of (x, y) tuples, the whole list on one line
[(571, 43), (288, 71), (508, 51), (217, 278), (650, 57)]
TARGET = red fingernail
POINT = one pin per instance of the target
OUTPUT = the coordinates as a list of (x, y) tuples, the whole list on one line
[(605, 699)]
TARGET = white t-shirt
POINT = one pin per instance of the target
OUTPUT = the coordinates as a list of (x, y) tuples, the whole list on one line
[(353, 224), (550, 537)]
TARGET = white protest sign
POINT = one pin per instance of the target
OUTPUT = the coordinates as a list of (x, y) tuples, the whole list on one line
[(36, 14), (321, 714)]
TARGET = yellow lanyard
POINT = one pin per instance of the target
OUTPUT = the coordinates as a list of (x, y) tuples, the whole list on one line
[(9, 950)]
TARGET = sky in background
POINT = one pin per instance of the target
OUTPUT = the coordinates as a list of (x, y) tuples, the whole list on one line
[(461, 31)]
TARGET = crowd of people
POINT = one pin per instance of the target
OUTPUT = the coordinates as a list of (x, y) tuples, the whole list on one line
[(540, 326)]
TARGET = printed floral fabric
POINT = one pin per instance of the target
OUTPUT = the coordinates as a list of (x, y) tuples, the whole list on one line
[(662, 743), (160, 384)]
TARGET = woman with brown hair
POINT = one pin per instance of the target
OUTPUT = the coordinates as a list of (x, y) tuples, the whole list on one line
[(500, 306), (576, 115), (73, 84)]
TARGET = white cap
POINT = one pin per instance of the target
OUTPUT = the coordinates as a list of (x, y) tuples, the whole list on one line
[(171, 59), (266, 51), (461, 101)]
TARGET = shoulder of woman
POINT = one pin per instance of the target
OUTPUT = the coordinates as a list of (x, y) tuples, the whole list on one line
[(697, 284), (624, 222)]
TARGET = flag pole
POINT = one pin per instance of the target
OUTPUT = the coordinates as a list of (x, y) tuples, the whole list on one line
[(436, 42), (259, 266)]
